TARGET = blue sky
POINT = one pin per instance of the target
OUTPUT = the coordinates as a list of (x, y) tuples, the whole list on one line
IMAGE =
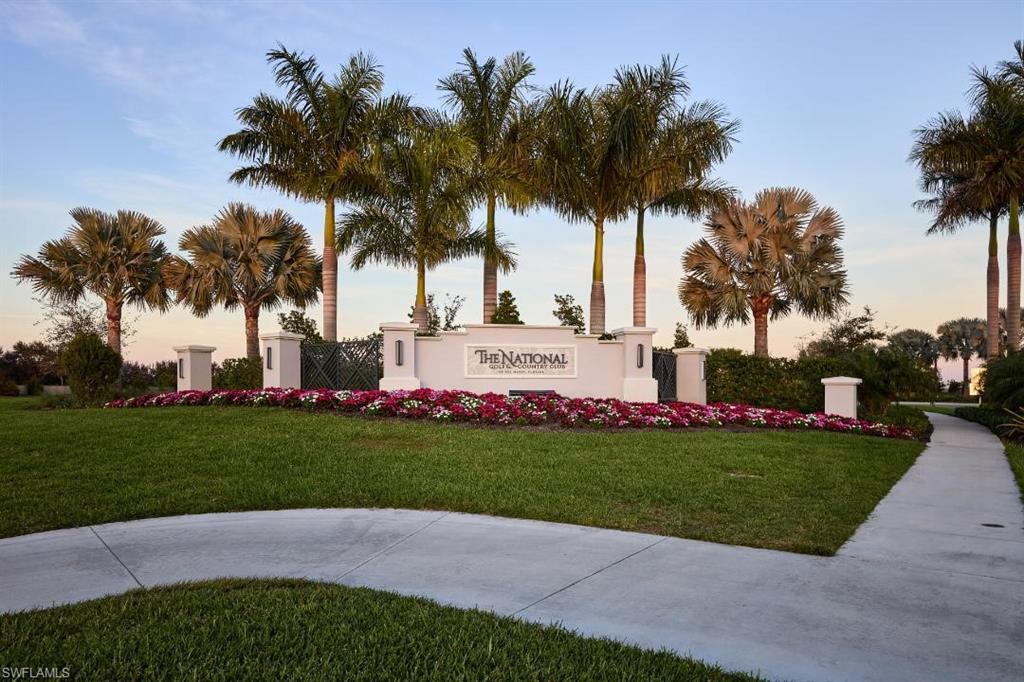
[(119, 105)]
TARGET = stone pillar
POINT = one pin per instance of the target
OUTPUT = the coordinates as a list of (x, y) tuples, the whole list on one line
[(282, 360), (638, 382), (399, 356), (841, 396), (691, 380), (195, 367)]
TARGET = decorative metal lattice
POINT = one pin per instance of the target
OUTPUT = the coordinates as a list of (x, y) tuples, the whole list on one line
[(352, 365), (664, 370)]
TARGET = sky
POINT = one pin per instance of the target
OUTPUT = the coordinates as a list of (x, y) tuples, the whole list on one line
[(120, 105)]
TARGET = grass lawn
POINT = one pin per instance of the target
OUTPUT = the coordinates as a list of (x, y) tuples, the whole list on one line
[(1015, 453), (274, 630), (797, 491), (938, 407)]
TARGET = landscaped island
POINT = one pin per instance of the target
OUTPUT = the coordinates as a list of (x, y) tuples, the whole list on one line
[(530, 409), (803, 491)]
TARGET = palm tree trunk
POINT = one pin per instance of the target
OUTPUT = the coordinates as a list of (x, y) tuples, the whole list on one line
[(1013, 277), (760, 307), (114, 325), (490, 267), (597, 283), (252, 330), (330, 275), (967, 378), (992, 286), (419, 310), (639, 274)]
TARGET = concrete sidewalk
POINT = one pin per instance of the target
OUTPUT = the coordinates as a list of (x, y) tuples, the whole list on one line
[(923, 591)]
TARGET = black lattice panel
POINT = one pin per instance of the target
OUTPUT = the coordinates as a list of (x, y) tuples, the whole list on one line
[(352, 365), (664, 370)]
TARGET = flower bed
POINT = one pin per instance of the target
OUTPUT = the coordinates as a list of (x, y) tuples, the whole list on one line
[(498, 409)]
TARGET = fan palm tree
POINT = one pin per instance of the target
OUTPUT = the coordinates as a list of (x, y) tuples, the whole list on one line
[(975, 167), (246, 259), (763, 259), (962, 338), (675, 149), (493, 111), (918, 344), (418, 212), (313, 143), (116, 256), (581, 166)]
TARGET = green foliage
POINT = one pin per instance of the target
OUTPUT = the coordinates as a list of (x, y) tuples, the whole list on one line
[(452, 306), (963, 338), (903, 415), (846, 334), (1014, 428), (1003, 382), (916, 343), (507, 312), (296, 322), (239, 373), (681, 338), (993, 419), (27, 361), (8, 388), (138, 377), (92, 367), (569, 313), (887, 374)]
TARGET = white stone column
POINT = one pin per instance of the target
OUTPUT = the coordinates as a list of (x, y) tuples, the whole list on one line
[(841, 396), (691, 380), (195, 367), (399, 356), (638, 382), (282, 360)]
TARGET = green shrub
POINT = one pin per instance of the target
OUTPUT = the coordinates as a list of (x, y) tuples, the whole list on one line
[(8, 388), (91, 366), (1003, 382), (903, 415), (34, 386), (239, 373), (56, 401), (993, 419)]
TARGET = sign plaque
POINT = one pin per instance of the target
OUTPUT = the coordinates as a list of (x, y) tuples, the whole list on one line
[(502, 360)]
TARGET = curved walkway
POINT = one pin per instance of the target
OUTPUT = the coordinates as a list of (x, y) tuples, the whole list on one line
[(930, 588)]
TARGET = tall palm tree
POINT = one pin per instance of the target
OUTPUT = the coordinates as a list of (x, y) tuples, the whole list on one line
[(918, 344), (313, 142), (246, 259), (581, 166), (975, 167), (962, 338), (763, 259), (418, 211), (493, 111), (116, 256), (675, 149)]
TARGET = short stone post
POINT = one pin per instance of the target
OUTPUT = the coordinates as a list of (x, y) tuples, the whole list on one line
[(691, 381), (638, 382), (282, 360), (399, 356), (841, 396), (195, 367)]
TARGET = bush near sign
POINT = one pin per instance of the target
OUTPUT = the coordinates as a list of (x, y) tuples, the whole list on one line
[(520, 361)]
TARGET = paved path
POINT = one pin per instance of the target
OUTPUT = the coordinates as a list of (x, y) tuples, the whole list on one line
[(923, 591)]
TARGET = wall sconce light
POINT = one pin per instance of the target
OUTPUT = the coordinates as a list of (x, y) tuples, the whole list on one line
[(181, 368), (399, 355), (639, 355), (270, 365)]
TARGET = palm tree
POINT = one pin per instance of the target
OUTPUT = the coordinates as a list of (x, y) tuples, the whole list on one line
[(581, 166), (962, 338), (918, 344), (116, 256), (493, 111), (675, 150), (418, 213), (312, 143), (246, 259), (975, 168), (763, 259)]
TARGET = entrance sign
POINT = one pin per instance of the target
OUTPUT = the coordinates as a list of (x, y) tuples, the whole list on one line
[(507, 360)]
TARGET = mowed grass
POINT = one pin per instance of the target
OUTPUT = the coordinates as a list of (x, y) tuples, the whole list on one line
[(291, 630), (1015, 453), (798, 491)]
